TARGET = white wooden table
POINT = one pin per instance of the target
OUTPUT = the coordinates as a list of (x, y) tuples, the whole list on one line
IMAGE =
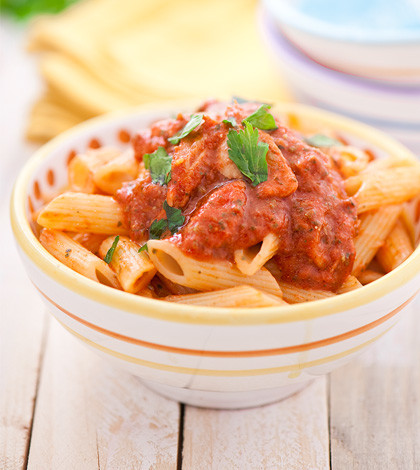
[(61, 407)]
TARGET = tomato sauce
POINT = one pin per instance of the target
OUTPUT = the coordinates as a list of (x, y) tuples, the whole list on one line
[(303, 200)]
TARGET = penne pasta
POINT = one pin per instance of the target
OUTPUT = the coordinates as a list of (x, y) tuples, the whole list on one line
[(240, 296), (349, 160), (82, 167), (351, 283), (77, 257), (110, 176), (352, 184), (396, 249), (204, 275), (175, 289), (410, 216), (79, 212), (369, 275), (390, 186), (374, 228), (147, 292), (91, 241), (134, 270), (252, 259), (293, 294)]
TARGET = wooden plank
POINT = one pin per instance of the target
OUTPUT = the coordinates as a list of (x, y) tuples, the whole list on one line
[(375, 404), (22, 323), (291, 434), (90, 415)]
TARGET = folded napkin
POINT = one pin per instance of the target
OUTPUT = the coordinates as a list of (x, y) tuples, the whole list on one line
[(102, 55)]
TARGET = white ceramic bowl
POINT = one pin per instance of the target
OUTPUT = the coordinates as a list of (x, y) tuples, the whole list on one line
[(395, 110), (217, 357), (358, 37)]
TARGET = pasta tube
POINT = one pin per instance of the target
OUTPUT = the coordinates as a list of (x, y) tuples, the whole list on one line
[(91, 241), (110, 177), (410, 216), (79, 212), (353, 183), (250, 260), (374, 228), (134, 270), (82, 167), (77, 257), (391, 186), (240, 296), (396, 249), (351, 283), (293, 294), (369, 275), (204, 275)]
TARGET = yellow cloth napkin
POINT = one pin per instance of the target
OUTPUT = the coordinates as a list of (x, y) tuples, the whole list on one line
[(102, 55)]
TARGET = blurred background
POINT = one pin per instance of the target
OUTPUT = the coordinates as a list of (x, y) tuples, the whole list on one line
[(356, 57)]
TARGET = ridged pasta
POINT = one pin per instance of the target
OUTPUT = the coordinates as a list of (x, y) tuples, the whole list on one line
[(249, 261), (240, 296), (77, 257), (390, 186), (110, 177), (80, 212), (82, 167), (396, 248), (369, 275), (375, 226), (351, 283), (204, 275), (134, 270)]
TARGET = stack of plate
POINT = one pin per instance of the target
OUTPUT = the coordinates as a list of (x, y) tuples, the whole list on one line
[(357, 58)]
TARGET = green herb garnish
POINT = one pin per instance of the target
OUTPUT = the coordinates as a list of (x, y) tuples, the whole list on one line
[(321, 140), (230, 121), (174, 220), (143, 248), (159, 164), (174, 216), (157, 229), (262, 119), (24, 9), (195, 121), (248, 154), (110, 252)]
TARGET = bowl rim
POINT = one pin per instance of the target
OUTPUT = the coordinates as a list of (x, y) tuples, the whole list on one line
[(182, 313), (288, 15)]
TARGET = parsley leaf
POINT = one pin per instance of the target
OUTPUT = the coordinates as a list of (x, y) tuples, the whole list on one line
[(174, 220), (262, 119), (321, 140), (159, 164), (230, 121), (248, 154), (174, 216), (158, 228), (195, 121), (110, 252), (143, 247)]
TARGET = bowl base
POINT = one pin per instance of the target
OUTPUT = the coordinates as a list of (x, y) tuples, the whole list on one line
[(225, 400)]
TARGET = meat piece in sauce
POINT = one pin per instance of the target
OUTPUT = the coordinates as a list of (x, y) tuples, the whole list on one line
[(303, 200)]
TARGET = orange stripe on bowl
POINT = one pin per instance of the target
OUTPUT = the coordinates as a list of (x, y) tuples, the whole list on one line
[(255, 353), (221, 372)]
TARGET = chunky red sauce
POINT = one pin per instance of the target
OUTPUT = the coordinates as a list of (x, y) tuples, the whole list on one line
[(303, 200)]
